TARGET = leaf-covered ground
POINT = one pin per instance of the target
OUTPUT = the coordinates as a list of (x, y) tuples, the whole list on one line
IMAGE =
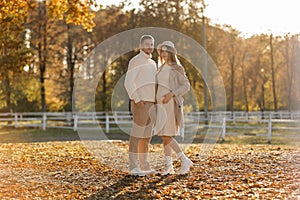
[(66, 170)]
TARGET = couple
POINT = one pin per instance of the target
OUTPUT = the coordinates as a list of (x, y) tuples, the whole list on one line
[(146, 86)]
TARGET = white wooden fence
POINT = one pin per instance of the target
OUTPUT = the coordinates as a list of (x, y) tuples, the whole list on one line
[(194, 121), (269, 121)]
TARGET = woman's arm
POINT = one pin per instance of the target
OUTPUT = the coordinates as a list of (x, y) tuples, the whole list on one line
[(182, 83), (179, 84)]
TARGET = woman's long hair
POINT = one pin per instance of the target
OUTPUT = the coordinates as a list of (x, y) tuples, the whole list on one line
[(173, 58)]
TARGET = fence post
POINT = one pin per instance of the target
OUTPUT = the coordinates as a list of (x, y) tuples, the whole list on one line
[(234, 115), (269, 130), (75, 122), (16, 120), (69, 118), (44, 121), (106, 122), (223, 129)]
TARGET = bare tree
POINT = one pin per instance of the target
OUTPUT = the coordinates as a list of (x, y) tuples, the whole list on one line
[(244, 79), (273, 73), (42, 49)]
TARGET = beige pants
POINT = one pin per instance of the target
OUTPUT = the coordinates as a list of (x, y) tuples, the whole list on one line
[(143, 119)]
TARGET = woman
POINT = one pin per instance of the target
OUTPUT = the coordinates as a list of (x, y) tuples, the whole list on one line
[(172, 83)]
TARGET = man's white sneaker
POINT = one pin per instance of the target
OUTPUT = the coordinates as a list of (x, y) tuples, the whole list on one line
[(137, 172), (150, 171), (185, 166)]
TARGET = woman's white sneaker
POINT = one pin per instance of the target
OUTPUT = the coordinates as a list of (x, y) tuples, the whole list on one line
[(169, 170), (185, 166)]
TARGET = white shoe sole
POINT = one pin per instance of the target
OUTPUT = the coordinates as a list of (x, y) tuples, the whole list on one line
[(137, 174), (167, 173), (148, 172)]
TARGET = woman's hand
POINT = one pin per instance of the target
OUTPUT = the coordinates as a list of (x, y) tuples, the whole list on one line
[(167, 97)]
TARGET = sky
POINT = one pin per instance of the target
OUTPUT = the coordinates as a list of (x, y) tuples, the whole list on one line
[(251, 16), (256, 16)]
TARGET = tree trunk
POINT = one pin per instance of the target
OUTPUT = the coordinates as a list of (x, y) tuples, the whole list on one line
[(104, 91), (273, 73), (7, 85), (205, 69), (296, 88), (42, 82), (71, 60), (288, 71), (244, 83), (42, 49), (263, 96), (232, 60), (8, 93)]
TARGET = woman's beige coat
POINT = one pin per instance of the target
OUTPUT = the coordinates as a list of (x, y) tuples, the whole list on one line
[(179, 85)]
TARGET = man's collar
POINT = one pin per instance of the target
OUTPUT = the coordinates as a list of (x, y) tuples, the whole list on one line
[(148, 56)]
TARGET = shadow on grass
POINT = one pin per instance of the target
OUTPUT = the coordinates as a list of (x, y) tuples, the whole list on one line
[(125, 189)]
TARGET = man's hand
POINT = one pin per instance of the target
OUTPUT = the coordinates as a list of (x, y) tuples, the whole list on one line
[(167, 97), (140, 104)]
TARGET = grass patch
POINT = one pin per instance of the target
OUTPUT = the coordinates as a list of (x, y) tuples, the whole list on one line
[(12, 135), (23, 135), (234, 136)]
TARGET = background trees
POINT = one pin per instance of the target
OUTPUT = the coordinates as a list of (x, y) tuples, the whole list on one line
[(44, 43), (14, 54)]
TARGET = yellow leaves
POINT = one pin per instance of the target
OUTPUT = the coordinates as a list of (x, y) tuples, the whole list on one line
[(4, 10), (57, 8), (76, 12), (165, 192), (31, 4), (13, 11)]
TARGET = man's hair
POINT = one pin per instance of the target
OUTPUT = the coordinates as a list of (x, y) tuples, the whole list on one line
[(146, 37)]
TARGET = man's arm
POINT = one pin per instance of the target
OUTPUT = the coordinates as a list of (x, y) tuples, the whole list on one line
[(130, 82)]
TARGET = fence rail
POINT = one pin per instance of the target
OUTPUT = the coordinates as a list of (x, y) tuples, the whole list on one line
[(194, 121)]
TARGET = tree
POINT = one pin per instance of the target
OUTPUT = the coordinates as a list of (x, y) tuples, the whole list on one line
[(273, 73), (42, 48), (14, 54), (116, 22), (259, 72), (288, 58), (225, 48), (76, 12), (244, 78), (233, 54)]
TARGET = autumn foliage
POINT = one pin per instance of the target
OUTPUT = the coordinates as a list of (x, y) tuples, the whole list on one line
[(66, 170), (78, 12)]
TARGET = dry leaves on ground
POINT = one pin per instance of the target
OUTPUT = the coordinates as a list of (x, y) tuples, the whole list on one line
[(66, 170)]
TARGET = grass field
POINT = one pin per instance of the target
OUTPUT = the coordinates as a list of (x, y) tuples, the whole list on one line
[(56, 164), (243, 136)]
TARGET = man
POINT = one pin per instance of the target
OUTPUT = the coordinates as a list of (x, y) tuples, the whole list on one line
[(140, 86)]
